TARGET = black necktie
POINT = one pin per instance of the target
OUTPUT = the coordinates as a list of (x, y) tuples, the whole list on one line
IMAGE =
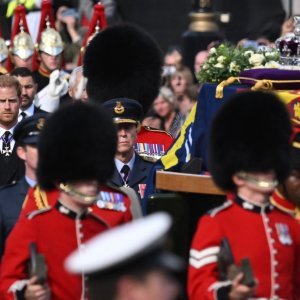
[(6, 143), (24, 115), (125, 171)]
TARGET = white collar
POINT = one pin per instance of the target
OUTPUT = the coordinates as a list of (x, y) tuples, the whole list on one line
[(119, 164), (29, 111), (2, 130)]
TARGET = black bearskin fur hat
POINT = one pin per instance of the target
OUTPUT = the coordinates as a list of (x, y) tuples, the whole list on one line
[(295, 152), (250, 133), (123, 61), (78, 142)]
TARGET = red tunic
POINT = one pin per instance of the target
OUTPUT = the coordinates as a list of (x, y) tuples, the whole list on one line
[(57, 232), (267, 236), (39, 199)]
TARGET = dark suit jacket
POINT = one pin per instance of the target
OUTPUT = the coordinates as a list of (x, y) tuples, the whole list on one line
[(11, 170), (37, 110), (138, 175), (11, 200)]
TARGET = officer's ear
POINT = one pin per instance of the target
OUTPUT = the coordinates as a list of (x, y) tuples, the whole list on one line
[(238, 180), (21, 152)]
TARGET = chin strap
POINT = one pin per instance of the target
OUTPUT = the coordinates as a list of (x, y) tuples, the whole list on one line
[(72, 192), (261, 183)]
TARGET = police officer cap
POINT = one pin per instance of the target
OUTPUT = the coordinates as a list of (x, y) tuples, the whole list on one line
[(124, 110), (29, 129), (251, 133), (134, 246)]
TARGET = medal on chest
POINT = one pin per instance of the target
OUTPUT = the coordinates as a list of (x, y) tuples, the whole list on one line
[(283, 234)]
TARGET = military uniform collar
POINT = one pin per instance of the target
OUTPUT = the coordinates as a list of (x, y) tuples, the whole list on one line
[(247, 205), (278, 200), (70, 213), (43, 71)]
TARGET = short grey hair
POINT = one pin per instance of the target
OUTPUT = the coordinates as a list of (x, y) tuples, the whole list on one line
[(73, 76)]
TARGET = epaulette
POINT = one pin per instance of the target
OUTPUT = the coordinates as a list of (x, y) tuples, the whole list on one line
[(37, 212), (8, 185), (40, 198), (148, 128), (213, 212), (111, 200)]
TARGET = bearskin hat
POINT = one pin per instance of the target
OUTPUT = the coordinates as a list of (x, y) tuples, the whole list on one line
[(123, 61), (250, 133), (295, 152), (78, 142)]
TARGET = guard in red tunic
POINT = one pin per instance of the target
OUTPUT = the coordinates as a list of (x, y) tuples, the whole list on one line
[(287, 195), (249, 154), (114, 205), (74, 160)]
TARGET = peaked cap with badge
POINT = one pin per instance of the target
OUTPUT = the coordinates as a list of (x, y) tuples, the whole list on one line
[(124, 110), (250, 133), (29, 129), (123, 61), (77, 143)]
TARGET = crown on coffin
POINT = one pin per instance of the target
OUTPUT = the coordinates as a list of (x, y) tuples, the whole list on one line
[(289, 47)]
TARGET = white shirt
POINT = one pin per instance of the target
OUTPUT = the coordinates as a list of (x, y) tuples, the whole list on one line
[(119, 164), (31, 182), (12, 142), (29, 112)]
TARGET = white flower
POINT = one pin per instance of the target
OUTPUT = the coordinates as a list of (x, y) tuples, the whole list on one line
[(248, 53), (205, 66), (221, 59), (233, 67), (212, 50), (256, 59), (219, 66), (272, 64), (211, 60)]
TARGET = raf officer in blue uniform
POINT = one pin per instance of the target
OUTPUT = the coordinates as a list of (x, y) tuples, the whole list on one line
[(130, 168), (12, 196)]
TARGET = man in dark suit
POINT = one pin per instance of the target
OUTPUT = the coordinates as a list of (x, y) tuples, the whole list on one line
[(28, 92), (12, 196), (12, 168), (130, 168)]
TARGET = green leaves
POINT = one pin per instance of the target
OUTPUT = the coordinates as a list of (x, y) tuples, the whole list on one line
[(227, 60)]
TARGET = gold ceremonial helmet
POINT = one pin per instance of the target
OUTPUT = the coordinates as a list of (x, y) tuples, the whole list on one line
[(3, 50), (51, 42), (23, 45)]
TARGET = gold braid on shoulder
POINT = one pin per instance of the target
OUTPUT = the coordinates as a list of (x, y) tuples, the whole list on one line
[(40, 198)]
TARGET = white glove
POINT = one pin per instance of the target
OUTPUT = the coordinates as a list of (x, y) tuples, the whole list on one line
[(58, 86), (46, 102)]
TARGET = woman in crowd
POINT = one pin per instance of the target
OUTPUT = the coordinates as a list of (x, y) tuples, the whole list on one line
[(165, 107)]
